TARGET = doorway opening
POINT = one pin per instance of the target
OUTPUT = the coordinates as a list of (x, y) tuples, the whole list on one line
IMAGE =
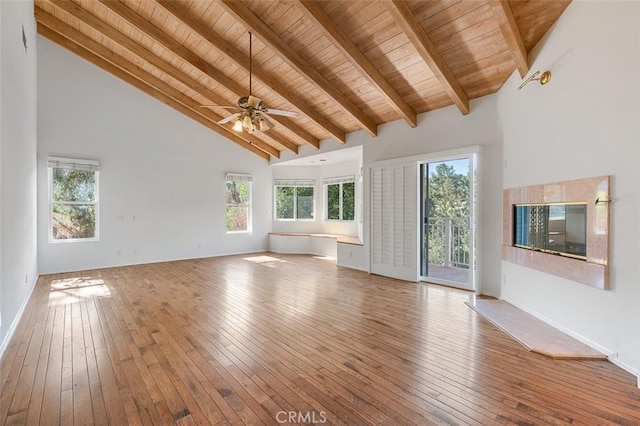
[(448, 222)]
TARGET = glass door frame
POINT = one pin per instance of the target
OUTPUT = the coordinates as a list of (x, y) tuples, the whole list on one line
[(472, 156)]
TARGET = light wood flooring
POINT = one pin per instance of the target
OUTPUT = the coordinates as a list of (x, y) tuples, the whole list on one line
[(266, 338)]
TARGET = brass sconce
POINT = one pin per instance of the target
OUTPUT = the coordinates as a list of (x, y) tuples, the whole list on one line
[(543, 79)]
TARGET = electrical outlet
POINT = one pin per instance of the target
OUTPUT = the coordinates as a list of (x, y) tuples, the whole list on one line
[(504, 279), (26, 278), (119, 252)]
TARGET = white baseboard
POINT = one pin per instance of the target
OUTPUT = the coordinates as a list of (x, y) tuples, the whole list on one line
[(355, 268), (614, 359), (150, 261), (612, 356), (17, 318)]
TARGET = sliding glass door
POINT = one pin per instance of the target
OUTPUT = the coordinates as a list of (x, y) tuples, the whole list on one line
[(447, 225)]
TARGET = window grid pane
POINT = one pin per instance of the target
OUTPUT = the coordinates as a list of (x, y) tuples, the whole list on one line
[(304, 202), (348, 201), (294, 202), (73, 185), (333, 202), (237, 218), (73, 221), (237, 193), (285, 202)]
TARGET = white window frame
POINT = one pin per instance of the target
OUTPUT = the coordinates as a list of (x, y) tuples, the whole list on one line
[(339, 181), (297, 183), (240, 177), (73, 164)]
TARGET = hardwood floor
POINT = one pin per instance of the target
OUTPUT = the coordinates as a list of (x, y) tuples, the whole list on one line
[(266, 338)]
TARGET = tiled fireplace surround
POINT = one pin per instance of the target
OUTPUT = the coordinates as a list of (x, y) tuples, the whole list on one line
[(593, 271)]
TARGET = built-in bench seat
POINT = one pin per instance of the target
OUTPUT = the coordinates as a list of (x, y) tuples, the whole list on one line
[(307, 243)]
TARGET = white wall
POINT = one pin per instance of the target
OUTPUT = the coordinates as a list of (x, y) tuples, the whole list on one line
[(18, 262), (162, 175), (584, 123), (442, 130)]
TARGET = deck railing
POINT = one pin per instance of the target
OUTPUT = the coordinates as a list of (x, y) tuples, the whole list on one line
[(448, 241)]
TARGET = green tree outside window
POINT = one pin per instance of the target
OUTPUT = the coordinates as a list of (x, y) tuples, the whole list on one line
[(294, 203), (341, 201), (448, 200), (73, 197), (238, 207)]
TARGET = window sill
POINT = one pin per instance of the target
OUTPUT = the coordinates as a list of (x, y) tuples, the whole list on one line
[(74, 240)]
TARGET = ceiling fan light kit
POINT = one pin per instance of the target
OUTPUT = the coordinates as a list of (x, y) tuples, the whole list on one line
[(253, 114)]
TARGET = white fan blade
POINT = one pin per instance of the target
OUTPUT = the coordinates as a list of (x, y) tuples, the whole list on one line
[(280, 112), (229, 118), (253, 101), (266, 117)]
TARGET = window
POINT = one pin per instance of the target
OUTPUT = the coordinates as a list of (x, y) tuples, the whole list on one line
[(238, 199), (294, 199), (73, 199), (341, 199)]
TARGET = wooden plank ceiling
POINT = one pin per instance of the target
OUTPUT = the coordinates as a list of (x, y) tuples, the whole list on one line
[(342, 65)]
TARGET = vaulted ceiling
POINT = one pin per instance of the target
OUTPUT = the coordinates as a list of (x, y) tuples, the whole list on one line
[(342, 65)]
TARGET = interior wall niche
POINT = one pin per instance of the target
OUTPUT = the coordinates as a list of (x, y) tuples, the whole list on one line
[(537, 234)]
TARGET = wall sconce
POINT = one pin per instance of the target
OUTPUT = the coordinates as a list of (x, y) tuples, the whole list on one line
[(543, 79)]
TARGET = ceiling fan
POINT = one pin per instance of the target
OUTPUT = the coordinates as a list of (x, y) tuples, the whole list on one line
[(253, 115)]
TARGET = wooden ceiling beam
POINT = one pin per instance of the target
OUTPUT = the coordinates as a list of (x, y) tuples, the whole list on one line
[(509, 29), (360, 62), (228, 50), (402, 13), (130, 45), (128, 15), (283, 50), (65, 36)]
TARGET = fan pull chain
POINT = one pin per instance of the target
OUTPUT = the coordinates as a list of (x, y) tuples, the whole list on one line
[(250, 61)]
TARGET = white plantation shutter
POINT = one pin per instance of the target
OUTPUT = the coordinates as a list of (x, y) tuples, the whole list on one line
[(394, 221), (376, 215)]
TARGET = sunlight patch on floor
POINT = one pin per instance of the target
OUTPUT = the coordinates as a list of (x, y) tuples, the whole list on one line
[(268, 261), (331, 258), (71, 290)]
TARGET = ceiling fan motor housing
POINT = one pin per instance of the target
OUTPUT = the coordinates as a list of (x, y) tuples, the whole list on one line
[(244, 103)]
